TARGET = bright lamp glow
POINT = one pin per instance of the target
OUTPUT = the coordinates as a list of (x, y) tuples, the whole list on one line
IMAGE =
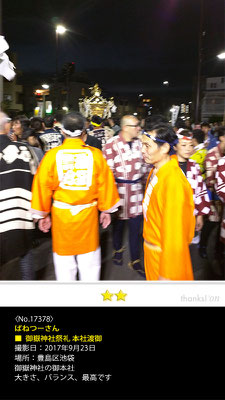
[(60, 29), (221, 56), (45, 86)]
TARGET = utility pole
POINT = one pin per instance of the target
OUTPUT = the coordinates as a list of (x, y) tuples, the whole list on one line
[(200, 53), (1, 77)]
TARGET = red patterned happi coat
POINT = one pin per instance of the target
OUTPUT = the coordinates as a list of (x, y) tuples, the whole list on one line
[(127, 164), (211, 162), (220, 190), (201, 198)]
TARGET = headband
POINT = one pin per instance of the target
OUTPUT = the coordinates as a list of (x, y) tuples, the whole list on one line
[(94, 123), (180, 136), (75, 133), (162, 141)]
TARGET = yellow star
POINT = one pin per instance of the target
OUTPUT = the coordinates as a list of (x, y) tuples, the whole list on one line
[(121, 295), (107, 295)]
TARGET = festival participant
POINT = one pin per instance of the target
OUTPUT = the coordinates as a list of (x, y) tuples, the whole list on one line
[(124, 157), (114, 125), (16, 227), (184, 150), (20, 128), (200, 151), (78, 180), (51, 137), (210, 140), (220, 190), (99, 131), (168, 209), (92, 140), (37, 126), (215, 217)]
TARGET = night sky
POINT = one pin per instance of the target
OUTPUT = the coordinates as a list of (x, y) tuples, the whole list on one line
[(127, 46)]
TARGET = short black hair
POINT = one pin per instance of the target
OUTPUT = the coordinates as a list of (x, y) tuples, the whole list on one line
[(153, 120), (220, 131), (24, 120), (59, 116), (165, 133), (36, 124), (49, 121), (205, 124), (74, 121), (96, 119), (198, 135), (180, 124)]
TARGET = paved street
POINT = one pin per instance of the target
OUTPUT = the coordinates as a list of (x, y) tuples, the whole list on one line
[(203, 269)]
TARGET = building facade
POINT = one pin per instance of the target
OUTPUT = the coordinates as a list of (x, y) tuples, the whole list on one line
[(213, 102)]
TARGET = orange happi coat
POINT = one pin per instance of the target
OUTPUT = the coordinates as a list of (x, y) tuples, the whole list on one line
[(169, 223), (74, 174)]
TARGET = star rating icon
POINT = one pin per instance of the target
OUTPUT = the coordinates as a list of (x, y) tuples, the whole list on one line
[(108, 296), (121, 295)]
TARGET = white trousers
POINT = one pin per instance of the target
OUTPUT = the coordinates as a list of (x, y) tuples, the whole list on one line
[(87, 265)]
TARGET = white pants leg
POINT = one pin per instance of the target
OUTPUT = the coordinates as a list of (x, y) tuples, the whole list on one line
[(89, 265), (65, 268)]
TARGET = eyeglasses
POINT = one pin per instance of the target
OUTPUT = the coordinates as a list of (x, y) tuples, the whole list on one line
[(134, 126)]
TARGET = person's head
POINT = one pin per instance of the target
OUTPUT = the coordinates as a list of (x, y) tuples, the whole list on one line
[(153, 120), (198, 137), (112, 122), (184, 148), (73, 124), (205, 127), (5, 124), (58, 117), (49, 121), (20, 124), (179, 124), (188, 124), (96, 121), (221, 137), (157, 144), (37, 124), (130, 127)]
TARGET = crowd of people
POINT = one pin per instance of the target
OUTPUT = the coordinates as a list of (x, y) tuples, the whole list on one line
[(62, 177)]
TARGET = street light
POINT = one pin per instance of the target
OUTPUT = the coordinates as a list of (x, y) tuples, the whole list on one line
[(45, 86), (166, 83), (60, 30), (221, 56)]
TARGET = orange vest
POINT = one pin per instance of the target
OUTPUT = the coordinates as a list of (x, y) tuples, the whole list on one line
[(74, 175), (169, 223)]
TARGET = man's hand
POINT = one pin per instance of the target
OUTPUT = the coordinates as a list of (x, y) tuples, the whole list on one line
[(163, 279), (44, 224), (105, 219), (199, 223)]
